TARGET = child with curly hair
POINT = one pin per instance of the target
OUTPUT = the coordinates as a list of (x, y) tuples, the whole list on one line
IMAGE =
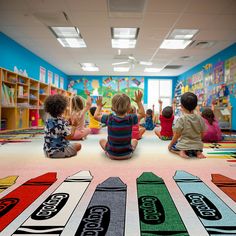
[(57, 130)]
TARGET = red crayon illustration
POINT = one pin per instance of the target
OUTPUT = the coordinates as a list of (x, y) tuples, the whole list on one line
[(227, 185), (14, 203)]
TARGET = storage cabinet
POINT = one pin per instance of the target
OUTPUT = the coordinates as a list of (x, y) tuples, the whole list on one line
[(22, 100)]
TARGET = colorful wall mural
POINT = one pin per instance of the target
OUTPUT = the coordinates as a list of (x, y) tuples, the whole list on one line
[(106, 86)]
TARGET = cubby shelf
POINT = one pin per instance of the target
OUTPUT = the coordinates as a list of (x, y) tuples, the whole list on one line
[(22, 100)]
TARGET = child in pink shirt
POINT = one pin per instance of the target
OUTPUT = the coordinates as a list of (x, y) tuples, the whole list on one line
[(78, 113), (212, 132)]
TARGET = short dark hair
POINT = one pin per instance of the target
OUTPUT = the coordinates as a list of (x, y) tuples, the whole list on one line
[(189, 101), (92, 110), (208, 114), (149, 112), (167, 112), (55, 105)]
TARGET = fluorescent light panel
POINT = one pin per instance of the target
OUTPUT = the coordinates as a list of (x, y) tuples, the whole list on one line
[(72, 42), (175, 44), (183, 33), (152, 70), (121, 69), (91, 68), (124, 33), (87, 64), (66, 32), (123, 43)]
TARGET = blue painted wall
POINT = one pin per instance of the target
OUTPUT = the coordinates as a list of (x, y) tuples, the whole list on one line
[(100, 78), (13, 54), (221, 56)]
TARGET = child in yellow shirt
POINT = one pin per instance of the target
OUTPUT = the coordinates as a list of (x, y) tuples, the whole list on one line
[(94, 125)]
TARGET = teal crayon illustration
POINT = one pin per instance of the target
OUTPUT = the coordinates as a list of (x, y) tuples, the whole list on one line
[(51, 217), (214, 214), (157, 212), (105, 214)]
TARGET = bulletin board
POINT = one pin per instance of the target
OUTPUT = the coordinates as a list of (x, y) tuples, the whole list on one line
[(230, 75)]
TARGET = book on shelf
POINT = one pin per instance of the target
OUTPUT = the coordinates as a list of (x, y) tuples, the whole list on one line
[(20, 91), (8, 95)]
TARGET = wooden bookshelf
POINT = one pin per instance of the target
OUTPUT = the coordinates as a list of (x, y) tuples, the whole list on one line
[(22, 100)]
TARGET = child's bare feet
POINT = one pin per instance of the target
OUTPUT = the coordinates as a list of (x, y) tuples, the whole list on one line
[(183, 154), (200, 155)]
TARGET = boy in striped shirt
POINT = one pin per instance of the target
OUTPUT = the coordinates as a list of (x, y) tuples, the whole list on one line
[(119, 144)]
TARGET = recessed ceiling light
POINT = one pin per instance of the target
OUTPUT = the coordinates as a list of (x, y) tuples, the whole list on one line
[(90, 68), (66, 32), (182, 33), (145, 63), (151, 70), (124, 33), (87, 64), (175, 44), (123, 43), (121, 69), (72, 42)]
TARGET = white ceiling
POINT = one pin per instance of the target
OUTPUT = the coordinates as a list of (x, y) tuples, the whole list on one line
[(27, 21)]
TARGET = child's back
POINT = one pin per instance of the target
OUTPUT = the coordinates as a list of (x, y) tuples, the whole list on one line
[(212, 132), (119, 134), (94, 125), (188, 129), (191, 127)]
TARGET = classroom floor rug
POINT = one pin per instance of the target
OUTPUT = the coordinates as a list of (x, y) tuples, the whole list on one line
[(153, 193)]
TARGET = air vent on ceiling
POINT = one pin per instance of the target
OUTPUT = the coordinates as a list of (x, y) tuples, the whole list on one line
[(53, 18), (126, 8), (186, 58), (202, 44), (172, 67)]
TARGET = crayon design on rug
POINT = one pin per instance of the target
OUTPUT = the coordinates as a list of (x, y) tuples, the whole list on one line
[(105, 214), (231, 160), (7, 182), (214, 214), (14, 203), (51, 217), (220, 145), (157, 212), (227, 185), (222, 153)]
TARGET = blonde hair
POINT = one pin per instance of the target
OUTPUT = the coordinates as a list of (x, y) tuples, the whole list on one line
[(77, 103), (132, 110), (120, 104)]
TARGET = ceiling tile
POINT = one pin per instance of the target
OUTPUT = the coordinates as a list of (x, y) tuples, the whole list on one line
[(167, 6)]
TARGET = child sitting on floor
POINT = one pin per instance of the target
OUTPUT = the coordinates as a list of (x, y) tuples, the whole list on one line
[(94, 125), (119, 144), (166, 121), (78, 113), (57, 129), (212, 132), (188, 130), (149, 123), (137, 131)]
